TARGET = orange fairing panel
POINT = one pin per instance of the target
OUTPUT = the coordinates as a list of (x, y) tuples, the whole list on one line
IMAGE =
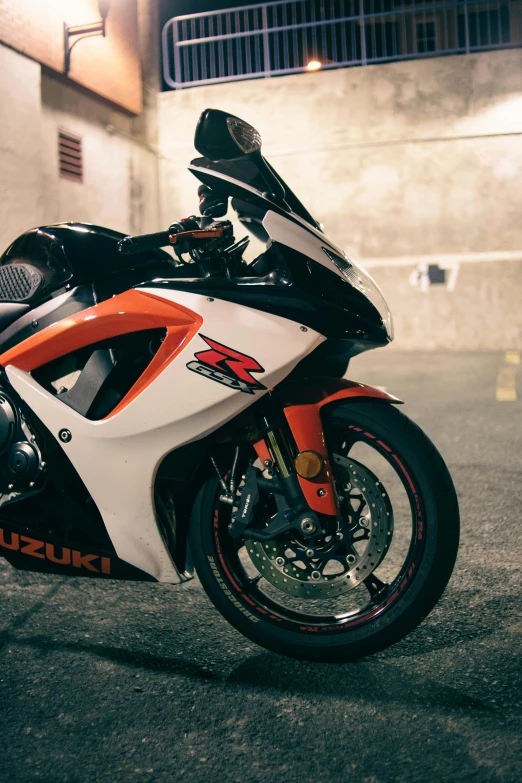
[(302, 408), (262, 451), (132, 311)]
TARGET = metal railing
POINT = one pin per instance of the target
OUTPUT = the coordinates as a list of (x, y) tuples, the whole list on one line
[(289, 36)]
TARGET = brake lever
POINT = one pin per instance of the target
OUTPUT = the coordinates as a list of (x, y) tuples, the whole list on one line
[(194, 235)]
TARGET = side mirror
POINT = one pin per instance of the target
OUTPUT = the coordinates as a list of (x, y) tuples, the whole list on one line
[(221, 136)]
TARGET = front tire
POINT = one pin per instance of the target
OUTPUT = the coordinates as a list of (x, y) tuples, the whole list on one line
[(395, 608)]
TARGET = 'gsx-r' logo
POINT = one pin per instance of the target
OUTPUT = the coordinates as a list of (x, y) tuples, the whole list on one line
[(227, 366)]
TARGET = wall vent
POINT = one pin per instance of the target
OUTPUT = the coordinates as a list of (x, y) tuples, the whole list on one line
[(70, 155)]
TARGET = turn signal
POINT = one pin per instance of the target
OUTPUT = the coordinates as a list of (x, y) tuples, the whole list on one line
[(308, 464)]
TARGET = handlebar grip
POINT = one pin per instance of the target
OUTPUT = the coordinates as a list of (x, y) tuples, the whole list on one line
[(129, 246)]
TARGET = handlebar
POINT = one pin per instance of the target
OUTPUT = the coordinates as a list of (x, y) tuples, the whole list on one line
[(132, 245), (129, 246)]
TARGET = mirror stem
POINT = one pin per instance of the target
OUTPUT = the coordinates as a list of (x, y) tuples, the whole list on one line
[(274, 187)]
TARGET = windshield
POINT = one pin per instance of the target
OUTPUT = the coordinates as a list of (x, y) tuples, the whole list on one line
[(242, 178), (286, 221)]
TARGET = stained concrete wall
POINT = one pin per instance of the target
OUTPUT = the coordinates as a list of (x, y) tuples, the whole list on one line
[(481, 313), (403, 163), (20, 129), (119, 187), (120, 162), (404, 158)]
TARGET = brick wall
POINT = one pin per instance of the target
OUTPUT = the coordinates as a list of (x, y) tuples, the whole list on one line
[(108, 66)]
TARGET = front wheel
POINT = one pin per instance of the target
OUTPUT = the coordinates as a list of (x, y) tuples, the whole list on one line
[(370, 576)]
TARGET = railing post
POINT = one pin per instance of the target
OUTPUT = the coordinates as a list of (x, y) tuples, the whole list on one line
[(266, 42), (177, 58), (363, 33), (466, 26)]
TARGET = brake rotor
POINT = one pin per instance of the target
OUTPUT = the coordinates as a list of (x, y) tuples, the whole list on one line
[(340, 559)]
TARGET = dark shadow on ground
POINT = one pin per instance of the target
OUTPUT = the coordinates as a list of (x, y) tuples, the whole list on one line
[(141, 660), (369, 681)]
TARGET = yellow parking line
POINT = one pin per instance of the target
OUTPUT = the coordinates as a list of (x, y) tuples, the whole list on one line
[(507, 378)]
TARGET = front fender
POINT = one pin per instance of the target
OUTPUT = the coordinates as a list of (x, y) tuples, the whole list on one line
[(302, 406), (324, 391)]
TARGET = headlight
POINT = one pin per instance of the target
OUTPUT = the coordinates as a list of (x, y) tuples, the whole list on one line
[(360, 279)]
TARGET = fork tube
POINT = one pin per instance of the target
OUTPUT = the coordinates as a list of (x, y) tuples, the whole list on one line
[(279, 457)]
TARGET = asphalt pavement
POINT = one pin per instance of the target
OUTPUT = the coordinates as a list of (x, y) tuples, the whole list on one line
[(113, 681)]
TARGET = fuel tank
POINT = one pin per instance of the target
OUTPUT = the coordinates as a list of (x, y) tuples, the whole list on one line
[(45, 259)]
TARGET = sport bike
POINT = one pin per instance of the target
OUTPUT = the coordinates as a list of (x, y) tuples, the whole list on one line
[(170, 410)]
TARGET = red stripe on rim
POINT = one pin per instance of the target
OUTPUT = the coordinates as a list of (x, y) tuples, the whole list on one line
[(383, 445), (410, 482)]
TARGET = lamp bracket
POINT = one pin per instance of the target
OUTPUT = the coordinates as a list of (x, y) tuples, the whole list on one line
[(78, 32)]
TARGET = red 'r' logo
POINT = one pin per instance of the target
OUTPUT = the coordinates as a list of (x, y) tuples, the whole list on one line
[(226, 366)]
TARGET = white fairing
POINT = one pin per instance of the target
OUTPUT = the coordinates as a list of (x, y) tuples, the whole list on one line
[(288, 233), (117, 458)]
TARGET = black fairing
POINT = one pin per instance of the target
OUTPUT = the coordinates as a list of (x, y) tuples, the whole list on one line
[(76, 253), (303, 291)]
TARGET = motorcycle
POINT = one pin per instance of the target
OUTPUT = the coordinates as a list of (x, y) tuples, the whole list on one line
[(170, 411)]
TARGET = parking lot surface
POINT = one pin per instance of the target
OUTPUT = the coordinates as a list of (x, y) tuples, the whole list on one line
[(107, 681)]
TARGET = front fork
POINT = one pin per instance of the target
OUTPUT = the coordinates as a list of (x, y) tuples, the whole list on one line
[(303, 406), (283, 463), (276, 449), (291, 438), (292, 447)]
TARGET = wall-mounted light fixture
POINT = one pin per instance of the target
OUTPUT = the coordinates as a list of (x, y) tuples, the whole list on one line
[(83, 31)]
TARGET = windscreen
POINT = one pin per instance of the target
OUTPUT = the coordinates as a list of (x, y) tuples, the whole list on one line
[(242, 178)]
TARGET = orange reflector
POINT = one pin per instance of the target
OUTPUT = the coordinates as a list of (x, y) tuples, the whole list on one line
[(308, 464)]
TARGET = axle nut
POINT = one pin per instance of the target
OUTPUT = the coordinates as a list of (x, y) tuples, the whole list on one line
[(308, 525)]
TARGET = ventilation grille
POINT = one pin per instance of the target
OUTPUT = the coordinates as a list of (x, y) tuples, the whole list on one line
[(70, 156)]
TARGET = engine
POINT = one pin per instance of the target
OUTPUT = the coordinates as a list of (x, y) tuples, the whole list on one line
[(21, 464)]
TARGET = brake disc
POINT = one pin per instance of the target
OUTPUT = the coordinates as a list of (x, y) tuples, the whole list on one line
[(337, 560)]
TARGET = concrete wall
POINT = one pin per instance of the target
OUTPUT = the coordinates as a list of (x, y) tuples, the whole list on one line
[(20, 129), (481, 313), (120, 163), (108, 66), (149, 33), (403, 163)]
